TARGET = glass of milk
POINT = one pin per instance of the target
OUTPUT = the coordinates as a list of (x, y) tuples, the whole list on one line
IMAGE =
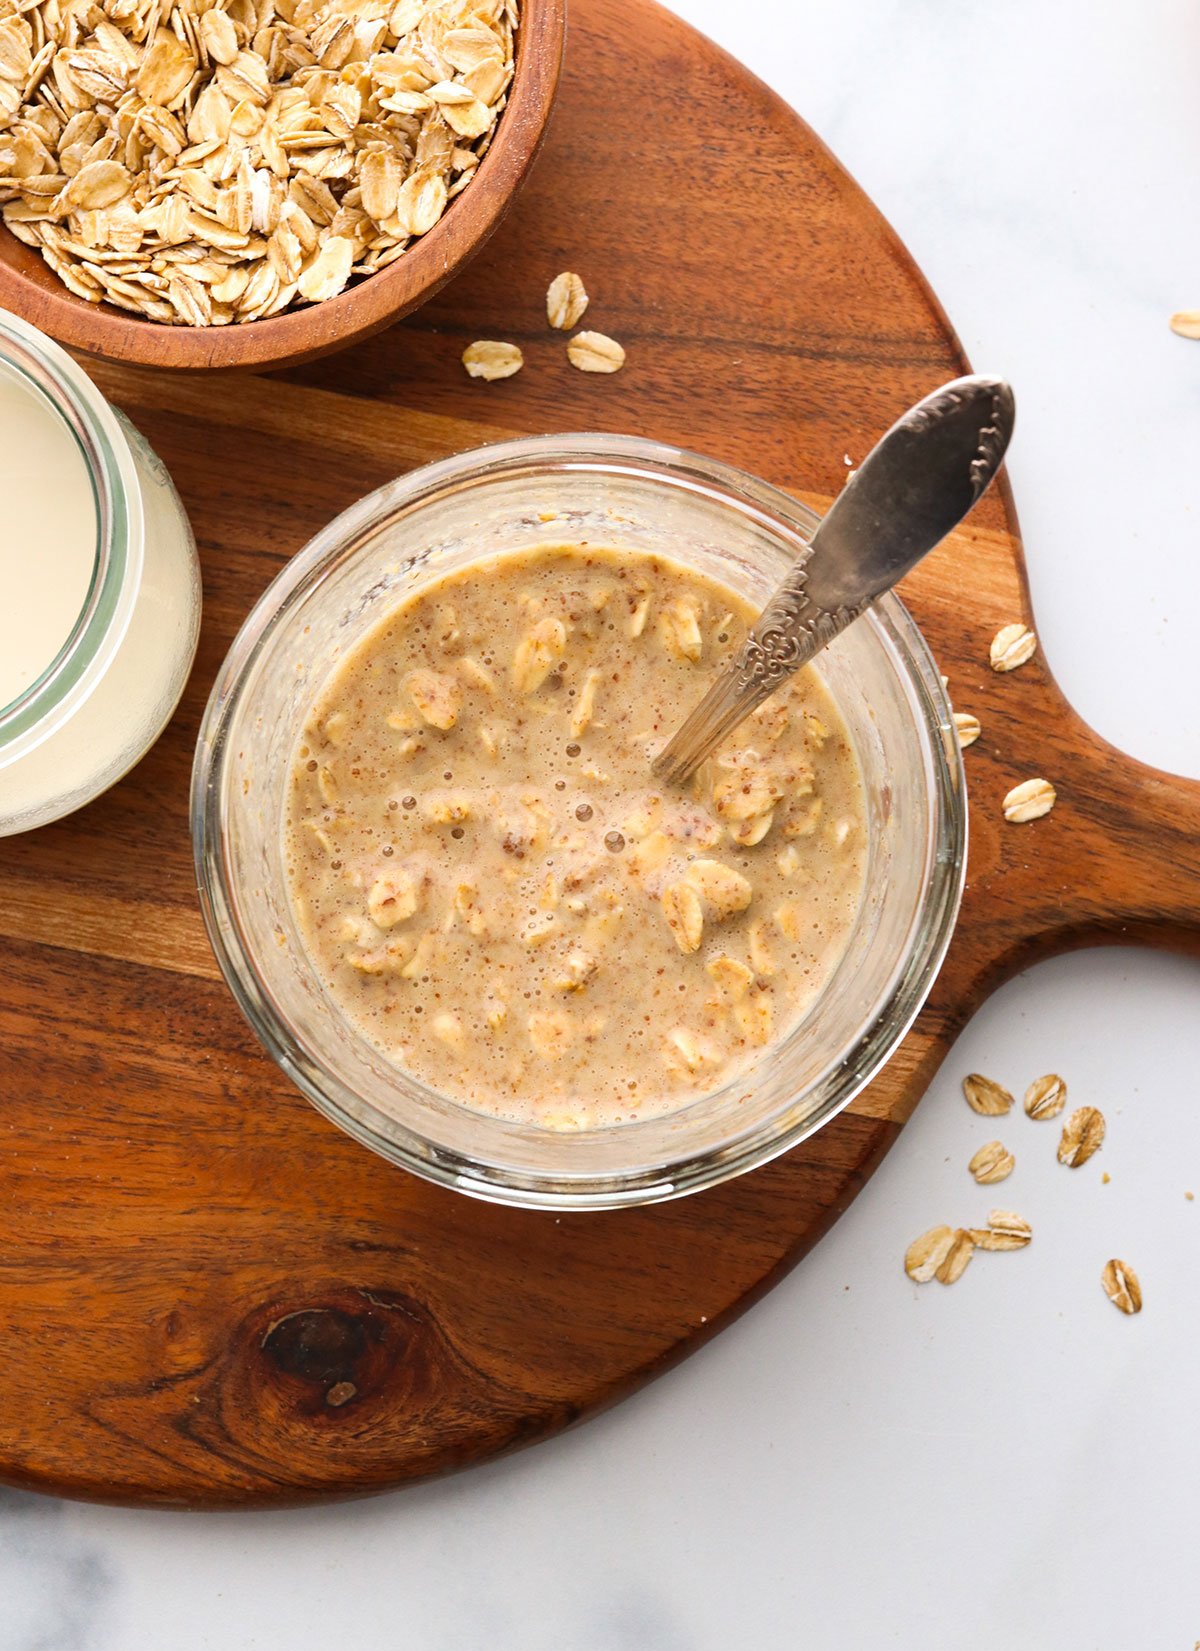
[(99, 586)]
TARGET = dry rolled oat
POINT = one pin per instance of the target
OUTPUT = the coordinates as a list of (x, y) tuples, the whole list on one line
[(566, 300), (1186, 323), (490, 359), (592, 352), (327, 271), (1004, 1231), (967, 728), (1122, 1286), (954, 1263), (993, 1162), (929, 1252), (204, 164), (1029, 801), (1082, 1136), (1012, 645), (1045, 1097), (986, 1097)]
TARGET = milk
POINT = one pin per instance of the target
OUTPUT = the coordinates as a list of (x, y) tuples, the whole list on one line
[(65, 742), (48, 530)]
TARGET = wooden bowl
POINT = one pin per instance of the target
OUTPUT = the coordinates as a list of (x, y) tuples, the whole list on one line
[(29, 288)]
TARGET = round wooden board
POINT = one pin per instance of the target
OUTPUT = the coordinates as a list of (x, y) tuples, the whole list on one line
[(207, 1294)]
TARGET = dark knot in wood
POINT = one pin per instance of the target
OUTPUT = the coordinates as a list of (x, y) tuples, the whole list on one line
[(342, 1350), (317, 1344)]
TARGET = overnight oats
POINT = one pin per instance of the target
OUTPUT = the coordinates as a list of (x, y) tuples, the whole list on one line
[(493, 889)]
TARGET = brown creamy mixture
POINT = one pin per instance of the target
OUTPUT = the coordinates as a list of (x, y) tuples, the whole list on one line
[(494, 889)]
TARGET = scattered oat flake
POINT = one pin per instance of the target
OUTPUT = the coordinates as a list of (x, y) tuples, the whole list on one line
[(1121, 1286), (954, 1264), (1186, 323), (967, 728), (984, 1096), (566, 300), (490, 359), (1190, 1196), (1045, 1097), (1029, 801), (1012, 645), (926, 1254), (1005, 1231), (1082, 1136), (993, 1162), (593, 352)]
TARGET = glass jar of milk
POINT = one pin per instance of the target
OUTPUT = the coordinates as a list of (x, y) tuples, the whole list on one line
[(99, 586)]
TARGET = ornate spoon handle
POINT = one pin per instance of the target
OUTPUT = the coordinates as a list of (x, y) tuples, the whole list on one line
[(915, 485)]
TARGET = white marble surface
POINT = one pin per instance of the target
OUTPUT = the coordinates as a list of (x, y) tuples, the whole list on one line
[(859, 1463)]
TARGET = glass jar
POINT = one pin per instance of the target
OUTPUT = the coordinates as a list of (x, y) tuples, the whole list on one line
[(105, 695), (620, 491)]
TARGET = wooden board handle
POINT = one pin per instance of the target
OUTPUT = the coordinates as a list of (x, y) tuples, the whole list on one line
[(1136, 863), (1115, 862)]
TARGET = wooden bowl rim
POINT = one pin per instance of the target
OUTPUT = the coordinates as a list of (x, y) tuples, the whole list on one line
[(100, 330)]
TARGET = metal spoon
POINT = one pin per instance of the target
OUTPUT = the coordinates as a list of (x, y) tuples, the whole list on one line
[(913, 487)]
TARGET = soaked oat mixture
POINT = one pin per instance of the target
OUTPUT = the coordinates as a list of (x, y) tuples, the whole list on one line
[(494, 889)]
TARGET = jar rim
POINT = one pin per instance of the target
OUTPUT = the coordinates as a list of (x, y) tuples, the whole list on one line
[(842, 1079), (103, 619)]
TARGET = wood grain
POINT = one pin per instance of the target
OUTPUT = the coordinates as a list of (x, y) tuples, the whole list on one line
[(207, 1294)]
